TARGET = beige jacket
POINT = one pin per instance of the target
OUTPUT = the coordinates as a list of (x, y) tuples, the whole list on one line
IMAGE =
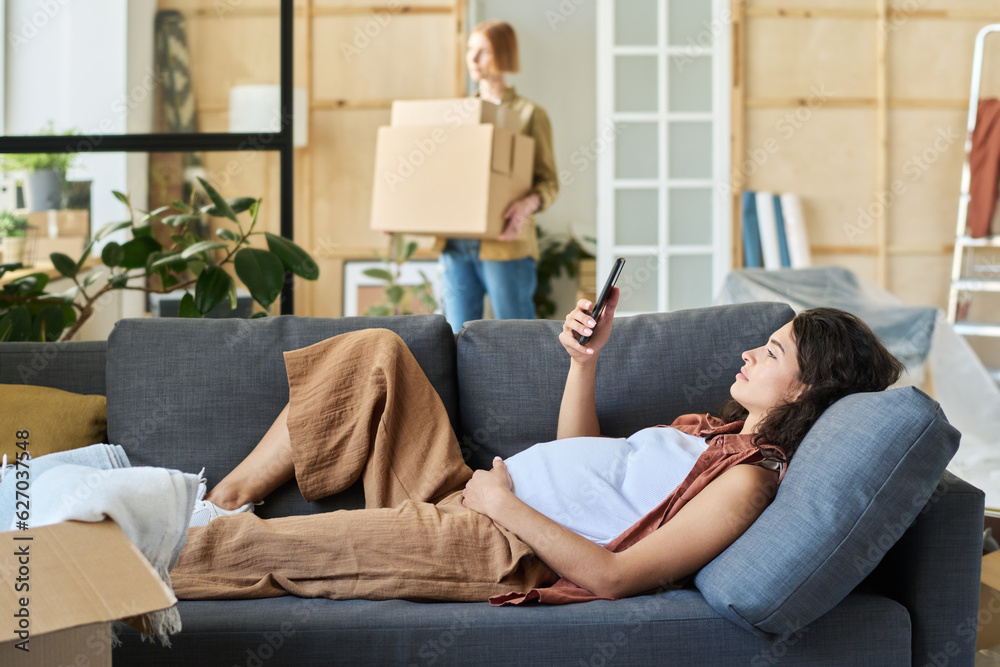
[(534, 122)]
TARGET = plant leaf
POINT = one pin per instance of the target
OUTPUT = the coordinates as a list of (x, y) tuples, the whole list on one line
[(15, 326), (112, 254), (200, 247), (49, 324), (64, 264), (144, 231), (170, 260), (395, 293), (257, 316), (227, 234), (182, 219), (292, 256), (181, 206), (224, 210), (187, 307), (211, 288), (379, 274), (69, 315), (135, 252), (152, 214), (110, 228), (410, 249), (262, 273), (32, 284), (381, 310), (90, 279), (237, 205), (123, 198)]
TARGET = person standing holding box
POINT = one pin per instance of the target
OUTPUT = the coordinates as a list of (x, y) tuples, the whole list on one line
[(503, 268)]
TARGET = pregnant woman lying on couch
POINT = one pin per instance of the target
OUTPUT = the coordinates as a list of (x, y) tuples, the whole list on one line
[(612, 517)]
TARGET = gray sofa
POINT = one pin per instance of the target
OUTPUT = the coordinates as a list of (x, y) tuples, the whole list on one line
[(802, 587)]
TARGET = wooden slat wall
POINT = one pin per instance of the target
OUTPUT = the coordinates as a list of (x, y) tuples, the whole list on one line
[(353, 57), (861, 96)]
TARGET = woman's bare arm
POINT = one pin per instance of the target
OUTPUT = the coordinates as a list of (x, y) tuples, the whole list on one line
[(700, 531), (578, 410)]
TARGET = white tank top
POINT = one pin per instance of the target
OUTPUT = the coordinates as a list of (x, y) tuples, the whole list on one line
[(598, 487)]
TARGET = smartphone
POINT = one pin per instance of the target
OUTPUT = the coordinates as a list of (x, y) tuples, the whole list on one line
[(602, 300)]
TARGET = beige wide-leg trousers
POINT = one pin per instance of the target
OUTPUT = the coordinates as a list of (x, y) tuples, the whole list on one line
[(360, 405)]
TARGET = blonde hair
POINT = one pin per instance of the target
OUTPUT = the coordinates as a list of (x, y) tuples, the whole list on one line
[(503, 41)]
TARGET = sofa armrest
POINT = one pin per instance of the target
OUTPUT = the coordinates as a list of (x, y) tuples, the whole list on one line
[(933, 570)]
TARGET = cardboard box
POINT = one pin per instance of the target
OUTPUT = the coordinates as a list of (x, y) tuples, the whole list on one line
[(453, 181), (451, 113), (60, 595), (64, 222), (40, 247)]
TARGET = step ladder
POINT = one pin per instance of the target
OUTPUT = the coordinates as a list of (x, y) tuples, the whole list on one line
[(969, 278)]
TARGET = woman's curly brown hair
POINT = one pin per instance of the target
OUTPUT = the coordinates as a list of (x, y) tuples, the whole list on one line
[(838, 354)]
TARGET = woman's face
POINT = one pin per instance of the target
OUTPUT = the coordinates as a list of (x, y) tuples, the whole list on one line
[(479, 57), (770, 374)]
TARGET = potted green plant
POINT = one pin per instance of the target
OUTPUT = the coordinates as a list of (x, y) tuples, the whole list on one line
[(43, 175), (188, 262), (14, 230), (556, 256), (398, 297)]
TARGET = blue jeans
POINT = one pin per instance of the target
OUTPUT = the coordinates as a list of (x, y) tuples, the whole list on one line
[(510, 285)]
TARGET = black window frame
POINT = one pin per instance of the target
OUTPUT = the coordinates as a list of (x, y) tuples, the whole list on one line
[(281, 141)]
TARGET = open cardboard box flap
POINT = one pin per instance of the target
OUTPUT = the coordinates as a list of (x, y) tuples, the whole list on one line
[(78, 573)]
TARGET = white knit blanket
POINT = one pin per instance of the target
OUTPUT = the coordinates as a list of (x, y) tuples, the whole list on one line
[(152, 506)]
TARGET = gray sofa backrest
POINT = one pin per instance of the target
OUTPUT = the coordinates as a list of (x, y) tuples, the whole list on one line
[(76, 366), (190, 393), (654, 368)]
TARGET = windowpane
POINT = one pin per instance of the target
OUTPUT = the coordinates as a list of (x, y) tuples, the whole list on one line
[(690, 278), (690, 23), (690, 216), (636, 86), (636, 217), (690, 150), (690, 83), (635, 22), (635, 151), (639, 284), (170, 66)]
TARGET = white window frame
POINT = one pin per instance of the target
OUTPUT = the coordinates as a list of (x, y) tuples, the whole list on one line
[(607, 184)]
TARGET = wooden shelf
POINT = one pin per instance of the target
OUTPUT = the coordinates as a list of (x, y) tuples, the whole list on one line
[(42, 267)]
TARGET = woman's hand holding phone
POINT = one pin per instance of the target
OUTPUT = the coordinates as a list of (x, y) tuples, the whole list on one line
[(580, 323)]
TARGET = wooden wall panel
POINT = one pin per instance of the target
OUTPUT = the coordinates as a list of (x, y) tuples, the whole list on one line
[(808, 54), (932, 59), (409, 57), (895, 114), (343, 177), (926, 170), (824, 156), (920, 278)]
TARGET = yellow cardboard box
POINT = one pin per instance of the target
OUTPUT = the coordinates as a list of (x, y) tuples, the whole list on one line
[(442, 168), (61, 586)]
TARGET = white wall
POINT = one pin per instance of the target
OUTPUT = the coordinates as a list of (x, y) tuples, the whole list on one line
[(558, 45)]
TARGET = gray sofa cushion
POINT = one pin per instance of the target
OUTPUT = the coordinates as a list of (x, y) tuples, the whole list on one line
[(190, 393), (858, 480), (511, 374), (75, 366), (672, 628)]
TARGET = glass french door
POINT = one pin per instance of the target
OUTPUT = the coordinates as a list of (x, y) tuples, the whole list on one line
[(663, 163)]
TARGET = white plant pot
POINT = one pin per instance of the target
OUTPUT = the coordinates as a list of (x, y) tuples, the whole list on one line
[(14, 249), (43, 189)]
